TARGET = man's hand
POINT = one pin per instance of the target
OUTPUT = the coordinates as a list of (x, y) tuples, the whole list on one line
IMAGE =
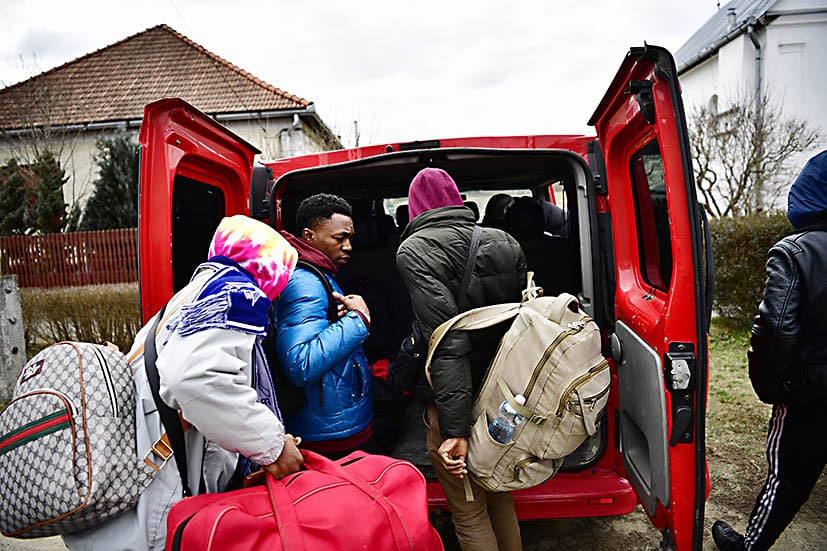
[(452, 453), (351, 302), (290, 460)]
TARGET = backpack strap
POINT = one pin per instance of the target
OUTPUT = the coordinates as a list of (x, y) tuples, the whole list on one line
[(478, 318), (462, 299), (332, 307), (169, 417), (485, 316)]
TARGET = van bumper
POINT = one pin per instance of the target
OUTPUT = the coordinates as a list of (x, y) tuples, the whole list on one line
[(567, 495)]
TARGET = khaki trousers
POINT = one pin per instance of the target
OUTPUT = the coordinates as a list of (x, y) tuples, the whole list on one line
[(488, 523)]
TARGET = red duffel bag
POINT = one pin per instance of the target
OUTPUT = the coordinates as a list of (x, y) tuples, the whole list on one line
[(361, 501)]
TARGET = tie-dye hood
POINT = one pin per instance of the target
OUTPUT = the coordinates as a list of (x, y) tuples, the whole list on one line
[(257, 248)]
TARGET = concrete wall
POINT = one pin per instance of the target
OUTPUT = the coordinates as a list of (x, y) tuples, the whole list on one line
[(12, 341)]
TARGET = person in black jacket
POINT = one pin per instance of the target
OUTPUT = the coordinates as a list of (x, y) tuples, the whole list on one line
[(432, 260), (788, 364)]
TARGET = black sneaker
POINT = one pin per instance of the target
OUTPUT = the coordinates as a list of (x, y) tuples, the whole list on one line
[(726, 538)]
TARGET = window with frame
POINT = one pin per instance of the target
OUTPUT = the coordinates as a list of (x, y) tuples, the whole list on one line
[(652, 212)]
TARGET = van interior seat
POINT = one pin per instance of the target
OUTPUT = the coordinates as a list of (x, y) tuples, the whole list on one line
[(549, 257), (402, 217), (475, 208), (371, 272), (496, 209)]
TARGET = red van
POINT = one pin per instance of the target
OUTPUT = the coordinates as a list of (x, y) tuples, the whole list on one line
[(637, 256)]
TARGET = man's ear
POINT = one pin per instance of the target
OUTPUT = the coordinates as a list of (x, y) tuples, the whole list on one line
[(307, 234)]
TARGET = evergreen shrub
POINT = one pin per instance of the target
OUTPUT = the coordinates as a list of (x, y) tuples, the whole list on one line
[(93, 313), (739, 246)]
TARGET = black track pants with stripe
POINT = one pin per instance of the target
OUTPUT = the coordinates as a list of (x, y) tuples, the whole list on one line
[(796, 455)]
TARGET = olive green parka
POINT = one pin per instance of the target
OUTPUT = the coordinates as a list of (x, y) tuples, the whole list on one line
[(431, 260)]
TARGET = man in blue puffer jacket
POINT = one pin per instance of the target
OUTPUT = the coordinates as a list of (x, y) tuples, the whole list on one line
[(325, 358)]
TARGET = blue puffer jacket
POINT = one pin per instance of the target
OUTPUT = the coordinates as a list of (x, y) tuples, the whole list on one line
[(326, 359)]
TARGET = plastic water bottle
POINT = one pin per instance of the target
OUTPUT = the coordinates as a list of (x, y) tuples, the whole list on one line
[(502, 428)]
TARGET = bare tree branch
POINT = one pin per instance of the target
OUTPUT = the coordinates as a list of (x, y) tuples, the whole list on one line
[(743, 155)]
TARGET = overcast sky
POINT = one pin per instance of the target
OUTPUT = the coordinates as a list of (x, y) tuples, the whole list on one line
[(406, 70)]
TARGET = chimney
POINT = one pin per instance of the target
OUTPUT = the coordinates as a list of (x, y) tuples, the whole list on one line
[(730, 19)]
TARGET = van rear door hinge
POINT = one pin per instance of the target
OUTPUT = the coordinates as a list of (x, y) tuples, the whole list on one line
[(642, 89)]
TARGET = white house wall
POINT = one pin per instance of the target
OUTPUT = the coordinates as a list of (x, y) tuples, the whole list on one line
[(700, 83), (728, 74), (793, 69), (796, 64), (77, 160), (276, 137)]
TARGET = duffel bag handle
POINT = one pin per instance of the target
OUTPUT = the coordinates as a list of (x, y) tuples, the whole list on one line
[(290, 531), (286, 514)]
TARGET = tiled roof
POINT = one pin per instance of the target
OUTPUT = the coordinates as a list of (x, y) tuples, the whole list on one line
[(115, 82), (715, 32)]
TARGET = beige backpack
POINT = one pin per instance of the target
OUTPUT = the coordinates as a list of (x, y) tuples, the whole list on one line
[(551, 355)]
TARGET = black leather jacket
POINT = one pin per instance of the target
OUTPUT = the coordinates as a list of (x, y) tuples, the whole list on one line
[(788, 352)]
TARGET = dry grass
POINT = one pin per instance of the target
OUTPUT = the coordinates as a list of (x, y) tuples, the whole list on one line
[(736, 428), (736, 421)]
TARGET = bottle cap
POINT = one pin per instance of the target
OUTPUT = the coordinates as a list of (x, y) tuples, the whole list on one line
[(520, 399)]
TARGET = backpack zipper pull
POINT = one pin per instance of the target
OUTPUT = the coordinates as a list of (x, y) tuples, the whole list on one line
[(577, 325)]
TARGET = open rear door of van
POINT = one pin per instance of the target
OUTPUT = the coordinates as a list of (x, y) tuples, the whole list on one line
[(194, 171), (659, 339)]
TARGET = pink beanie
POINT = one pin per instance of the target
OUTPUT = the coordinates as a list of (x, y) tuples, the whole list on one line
[(257, 248), (432, 188)]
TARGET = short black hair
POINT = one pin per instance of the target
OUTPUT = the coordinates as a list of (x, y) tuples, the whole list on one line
[(318, 208)]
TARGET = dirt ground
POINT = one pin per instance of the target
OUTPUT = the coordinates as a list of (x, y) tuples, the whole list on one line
[(736, 434)]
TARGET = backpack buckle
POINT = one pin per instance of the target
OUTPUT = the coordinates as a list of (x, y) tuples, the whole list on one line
[(161, 449), (538, 419)]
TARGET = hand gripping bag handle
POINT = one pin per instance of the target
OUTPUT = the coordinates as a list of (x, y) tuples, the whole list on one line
[(286, 514)]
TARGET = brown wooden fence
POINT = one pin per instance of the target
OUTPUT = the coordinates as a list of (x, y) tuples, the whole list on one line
[(71, 259)]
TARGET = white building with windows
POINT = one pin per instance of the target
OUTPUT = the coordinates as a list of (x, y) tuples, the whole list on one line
[(757, 47)]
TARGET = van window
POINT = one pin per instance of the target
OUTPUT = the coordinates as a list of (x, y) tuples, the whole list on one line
[(196, 211), (654, 240), (473, 198)]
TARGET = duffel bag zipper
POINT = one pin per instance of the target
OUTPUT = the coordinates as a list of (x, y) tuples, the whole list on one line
[(574, 327), (579, 381), (179, 533)]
